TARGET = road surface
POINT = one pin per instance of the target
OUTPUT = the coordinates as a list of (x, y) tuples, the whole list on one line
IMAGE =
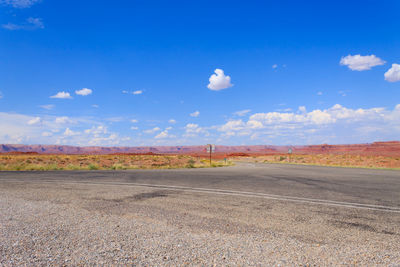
[(251, 214)]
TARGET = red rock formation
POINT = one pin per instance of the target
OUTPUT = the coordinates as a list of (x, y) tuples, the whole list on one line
[(391, 148)]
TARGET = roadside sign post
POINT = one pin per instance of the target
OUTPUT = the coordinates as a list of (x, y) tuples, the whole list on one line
[(290, 151), (210, 149)]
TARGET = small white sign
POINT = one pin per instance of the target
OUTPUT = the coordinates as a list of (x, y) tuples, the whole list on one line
[(210, 147)]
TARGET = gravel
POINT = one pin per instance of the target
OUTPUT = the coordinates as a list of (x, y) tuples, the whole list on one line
[(72, 225)]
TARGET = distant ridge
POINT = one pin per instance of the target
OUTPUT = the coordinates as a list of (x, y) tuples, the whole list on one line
[(390, 148)]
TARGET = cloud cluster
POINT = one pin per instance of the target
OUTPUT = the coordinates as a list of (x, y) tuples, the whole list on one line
[(219, 81), (338, 120), (67, 95), (361, 63)]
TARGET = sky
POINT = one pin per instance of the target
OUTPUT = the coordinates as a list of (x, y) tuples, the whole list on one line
[(141, 73)]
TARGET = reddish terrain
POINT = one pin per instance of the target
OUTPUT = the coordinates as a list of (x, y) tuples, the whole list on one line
[(391, 148)]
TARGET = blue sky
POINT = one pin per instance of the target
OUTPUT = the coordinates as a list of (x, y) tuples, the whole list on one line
[(140, 72)]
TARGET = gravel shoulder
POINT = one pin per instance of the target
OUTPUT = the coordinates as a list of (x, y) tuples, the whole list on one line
[(68, 224)]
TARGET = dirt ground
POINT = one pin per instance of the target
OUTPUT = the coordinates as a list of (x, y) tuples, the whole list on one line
[(342, 160)]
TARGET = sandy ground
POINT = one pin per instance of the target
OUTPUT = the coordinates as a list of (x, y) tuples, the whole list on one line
[(92, 224)]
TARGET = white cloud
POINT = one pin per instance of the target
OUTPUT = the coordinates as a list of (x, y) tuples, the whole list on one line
[(34, 121), (319, 93), (302, 109), (1, 95), (69, 132), (274, 66), (48, 107), (134, 128), (242, 113), (97, 131), (195, 114), (233, 125), (137, 92), (84, 92), (150, 131), (192, 128), (29, 24), (360, 63), (134, 121), (164, 134), (62, 120), (393, 74), (95, 106), (172, 121), (62, 95), (47, 134), (219, 81), (19, 3)]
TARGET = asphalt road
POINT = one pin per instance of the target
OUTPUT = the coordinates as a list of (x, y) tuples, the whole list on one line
[(313, 184), (248, 215)]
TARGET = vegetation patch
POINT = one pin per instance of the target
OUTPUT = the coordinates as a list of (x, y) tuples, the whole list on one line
[(45, 162)]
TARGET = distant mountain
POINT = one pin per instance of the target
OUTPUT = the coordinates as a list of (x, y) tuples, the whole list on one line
[(391, 148)]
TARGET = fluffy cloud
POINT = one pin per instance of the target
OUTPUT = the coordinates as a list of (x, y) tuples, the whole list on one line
[(134, 121), (219, 81), (69, 132), (172, 121), (29, 24), (34, 121), (134, 128), (84, 91), (19, 3), (164, 134), (393, 74), (62, 95), (274, 66), (302, 109), (360, 63), (195, 114)]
